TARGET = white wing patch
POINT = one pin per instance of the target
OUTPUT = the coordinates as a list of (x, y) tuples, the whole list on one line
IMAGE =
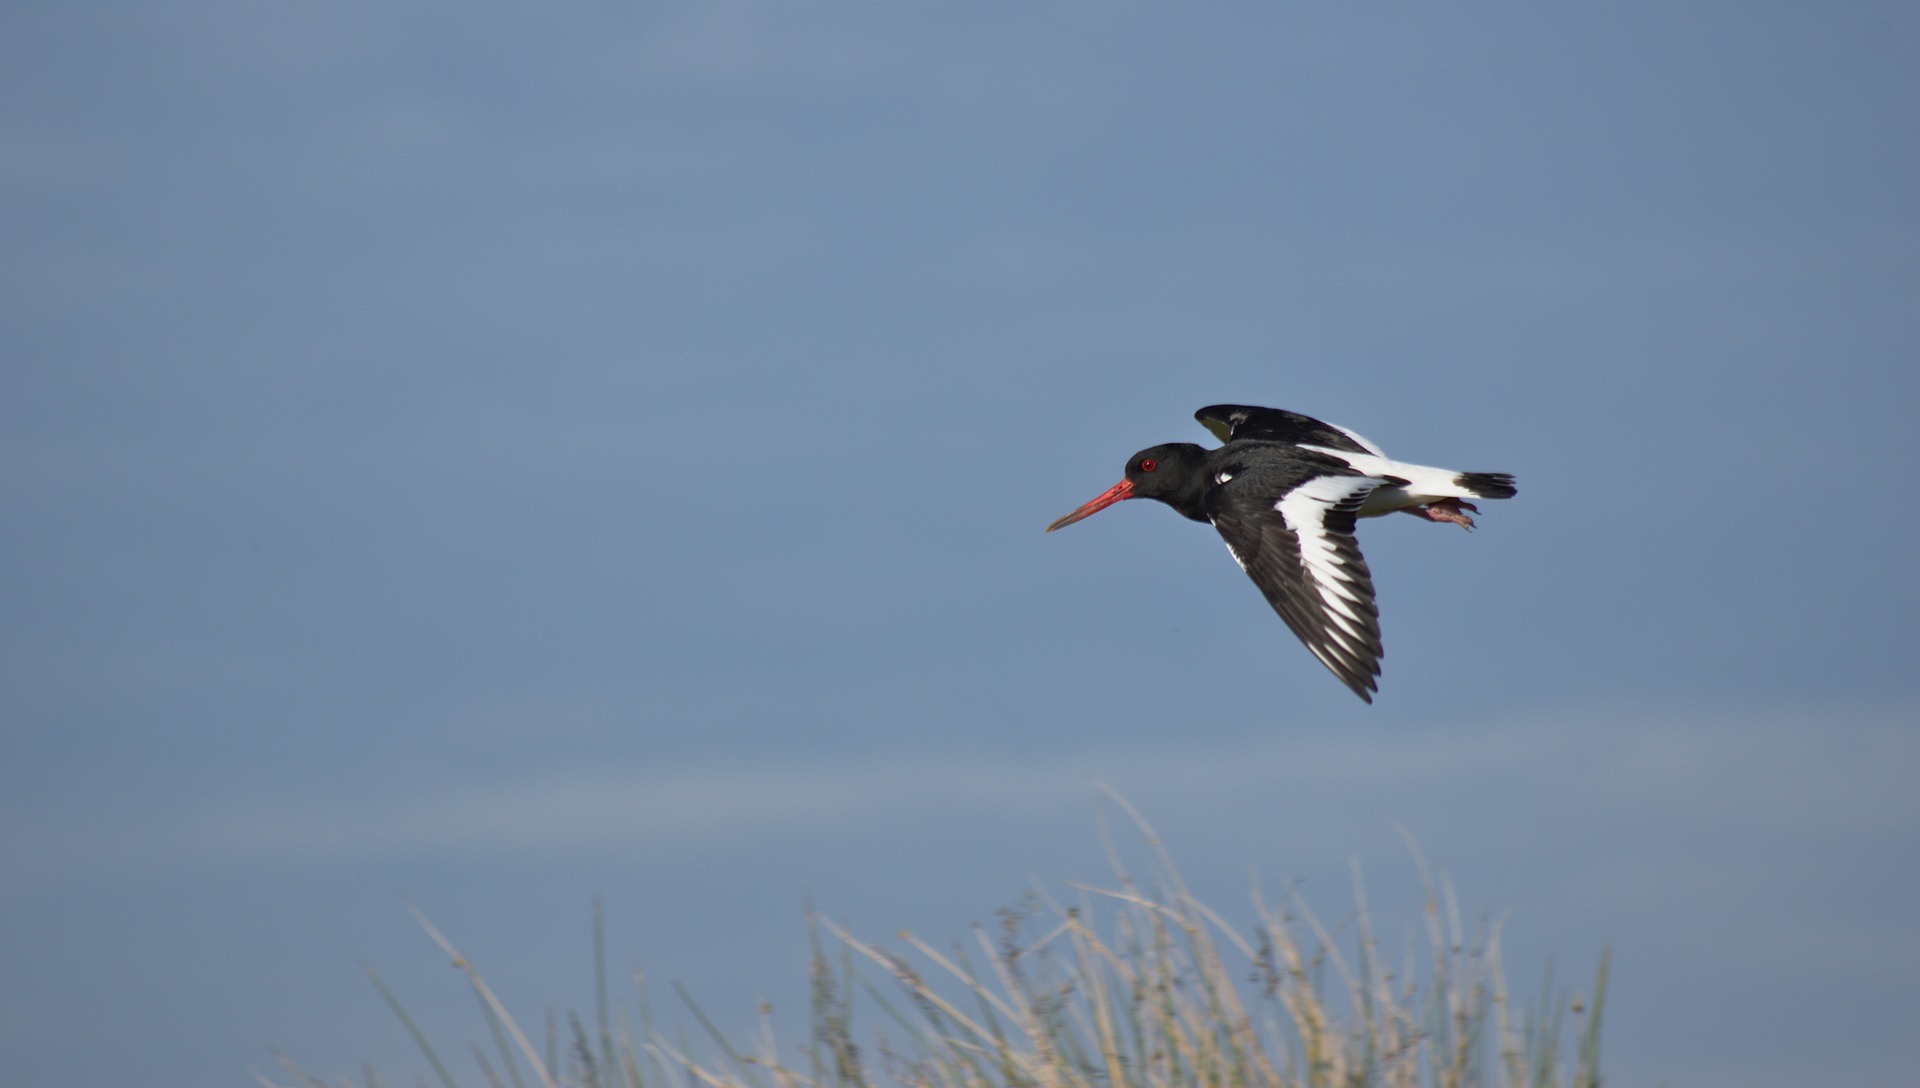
[(1360, 440), (1424, 483), (1305, 511)]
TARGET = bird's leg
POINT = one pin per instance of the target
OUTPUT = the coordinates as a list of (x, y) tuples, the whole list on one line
[(1453, 510)]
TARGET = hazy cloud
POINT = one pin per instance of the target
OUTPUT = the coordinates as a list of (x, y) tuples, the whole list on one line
[(1736, 780)]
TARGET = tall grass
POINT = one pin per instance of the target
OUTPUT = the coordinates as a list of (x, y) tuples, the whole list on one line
[(1138, 985)]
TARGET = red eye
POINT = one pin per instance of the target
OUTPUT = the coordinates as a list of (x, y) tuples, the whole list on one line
[(1148, 464)]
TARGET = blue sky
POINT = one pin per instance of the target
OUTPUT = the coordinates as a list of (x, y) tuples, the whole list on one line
[(488, 457)]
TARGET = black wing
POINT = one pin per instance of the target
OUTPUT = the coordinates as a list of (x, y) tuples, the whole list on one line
[(1297, 545), (1231, 421)]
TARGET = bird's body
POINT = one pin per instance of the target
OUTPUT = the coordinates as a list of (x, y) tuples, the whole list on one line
[(1284, 491)]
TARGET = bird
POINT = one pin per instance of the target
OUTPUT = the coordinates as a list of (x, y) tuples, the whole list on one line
[(1284, 490)]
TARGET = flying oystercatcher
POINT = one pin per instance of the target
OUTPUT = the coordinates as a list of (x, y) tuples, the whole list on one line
[(1284, 491)]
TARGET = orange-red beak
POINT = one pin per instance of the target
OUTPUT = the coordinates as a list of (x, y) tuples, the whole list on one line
[(1121, 490)]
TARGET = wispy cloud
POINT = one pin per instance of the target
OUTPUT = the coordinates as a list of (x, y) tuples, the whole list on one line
[(1779, 783)]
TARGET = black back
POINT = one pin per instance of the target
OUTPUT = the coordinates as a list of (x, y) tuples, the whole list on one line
[(1230, 422)]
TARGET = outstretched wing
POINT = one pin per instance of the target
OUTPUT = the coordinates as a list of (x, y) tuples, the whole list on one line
[(1297, 545), (1231, 421)]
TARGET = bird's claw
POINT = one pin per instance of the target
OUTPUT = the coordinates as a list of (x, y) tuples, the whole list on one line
[(1453, 510)]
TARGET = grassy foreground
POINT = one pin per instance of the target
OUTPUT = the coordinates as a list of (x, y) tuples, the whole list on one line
[(1134, 986)]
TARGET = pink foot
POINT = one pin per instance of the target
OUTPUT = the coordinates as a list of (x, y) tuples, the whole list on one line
[(1453, 510)]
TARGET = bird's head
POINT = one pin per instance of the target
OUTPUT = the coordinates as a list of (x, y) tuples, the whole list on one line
[(1174, 473)]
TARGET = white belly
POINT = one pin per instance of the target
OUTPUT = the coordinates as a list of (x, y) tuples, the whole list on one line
[(1424, 484)]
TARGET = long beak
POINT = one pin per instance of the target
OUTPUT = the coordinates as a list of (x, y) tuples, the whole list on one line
[(1121, 490)]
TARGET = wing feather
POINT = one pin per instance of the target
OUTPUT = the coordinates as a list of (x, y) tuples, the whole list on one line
[(1298, 547), (1231, 421)]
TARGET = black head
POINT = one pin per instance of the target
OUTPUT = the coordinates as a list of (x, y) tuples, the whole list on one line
[(1174, 473)]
